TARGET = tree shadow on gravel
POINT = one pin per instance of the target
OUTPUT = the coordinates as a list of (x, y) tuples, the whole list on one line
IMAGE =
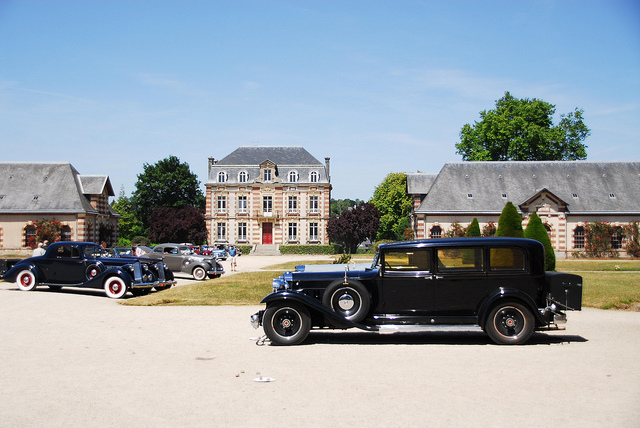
[(429, 338)]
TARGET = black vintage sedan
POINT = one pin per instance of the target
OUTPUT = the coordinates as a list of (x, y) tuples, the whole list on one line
[(496, 285), (85, 264)]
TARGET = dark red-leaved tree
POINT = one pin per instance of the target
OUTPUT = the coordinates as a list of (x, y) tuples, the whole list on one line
[(186, 224), (354, 225)]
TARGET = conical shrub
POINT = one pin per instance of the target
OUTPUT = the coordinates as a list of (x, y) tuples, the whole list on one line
[(536, 230)]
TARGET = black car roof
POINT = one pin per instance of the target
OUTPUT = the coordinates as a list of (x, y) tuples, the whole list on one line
[(467, 242)]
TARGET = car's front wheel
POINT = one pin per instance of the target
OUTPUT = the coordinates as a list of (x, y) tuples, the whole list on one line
[(347, 298), (26, 280), (115, 287), (510, 323), (286, 323), (199, 273)]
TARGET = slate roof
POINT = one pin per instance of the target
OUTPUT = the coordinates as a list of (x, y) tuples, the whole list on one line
[(587, 187), (281, 155), (418, 183), (286, 159), (47, 187)]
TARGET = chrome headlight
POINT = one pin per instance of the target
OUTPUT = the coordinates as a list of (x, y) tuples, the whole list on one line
[(280, 284)]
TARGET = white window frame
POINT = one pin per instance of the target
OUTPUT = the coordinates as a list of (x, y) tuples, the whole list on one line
[(222, 205), (243, 204), (314, 204)]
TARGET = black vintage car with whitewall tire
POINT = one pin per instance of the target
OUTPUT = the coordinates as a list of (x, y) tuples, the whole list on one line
[(85, 264), (496, 285)]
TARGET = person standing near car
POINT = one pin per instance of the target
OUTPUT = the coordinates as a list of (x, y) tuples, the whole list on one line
[(233, 254)]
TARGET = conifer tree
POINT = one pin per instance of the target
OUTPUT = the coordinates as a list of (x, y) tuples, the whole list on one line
[(536, 230), (510, 222), (473, 229)]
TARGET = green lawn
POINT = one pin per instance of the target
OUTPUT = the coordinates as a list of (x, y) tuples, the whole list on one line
[(606, 285)]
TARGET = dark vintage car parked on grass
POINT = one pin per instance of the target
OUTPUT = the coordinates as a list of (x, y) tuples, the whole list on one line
[(85, 264), (498, 285), (181, 258)]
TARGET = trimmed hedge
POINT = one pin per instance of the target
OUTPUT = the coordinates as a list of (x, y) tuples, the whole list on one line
[(311, 249)]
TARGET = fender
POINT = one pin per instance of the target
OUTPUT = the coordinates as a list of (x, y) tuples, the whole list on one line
[(10, 275), (115, 271), (312, 304), (509, 294)]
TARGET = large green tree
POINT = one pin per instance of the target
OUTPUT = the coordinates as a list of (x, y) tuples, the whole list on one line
[(394, 204), (128, 224), (167, 183), (523, 130)]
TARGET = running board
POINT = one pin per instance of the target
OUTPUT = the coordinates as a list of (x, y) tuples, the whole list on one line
[(425, 328)]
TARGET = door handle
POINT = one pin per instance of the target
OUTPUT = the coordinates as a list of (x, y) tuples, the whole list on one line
[(437, 277)]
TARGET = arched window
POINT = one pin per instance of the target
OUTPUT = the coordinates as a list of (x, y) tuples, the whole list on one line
[(436, 232), (222, 177), (578, 237), (313, 177), (293, 176), (30, 236), (242, 177)]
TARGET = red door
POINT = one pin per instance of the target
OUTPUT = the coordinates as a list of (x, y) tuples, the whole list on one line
[(267, 233)]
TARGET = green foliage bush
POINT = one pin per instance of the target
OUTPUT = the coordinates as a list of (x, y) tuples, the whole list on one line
[(245, 249), (311, 249)]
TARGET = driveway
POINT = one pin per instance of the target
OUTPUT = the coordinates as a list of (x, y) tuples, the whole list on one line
[(75, 358)]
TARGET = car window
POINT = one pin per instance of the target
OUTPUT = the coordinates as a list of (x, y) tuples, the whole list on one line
[(92, 251), (460, 259), (171, 250), (67, 251), (416, 259), (185, 251), (506, 259)]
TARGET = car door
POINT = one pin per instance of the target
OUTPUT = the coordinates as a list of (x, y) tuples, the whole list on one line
[(66, 266), (407, 281), (460, 279), (172, 258)]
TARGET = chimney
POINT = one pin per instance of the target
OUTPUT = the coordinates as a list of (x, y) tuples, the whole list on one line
[(326, 167)]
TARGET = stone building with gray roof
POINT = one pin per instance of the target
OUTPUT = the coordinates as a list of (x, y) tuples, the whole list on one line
[(31, 191), (564, 194), (261, 195)]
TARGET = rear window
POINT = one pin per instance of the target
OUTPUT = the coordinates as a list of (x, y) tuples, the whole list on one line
[(460, 259), (502, 259)]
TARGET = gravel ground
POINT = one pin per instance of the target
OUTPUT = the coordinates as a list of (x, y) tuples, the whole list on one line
[(76, 358)]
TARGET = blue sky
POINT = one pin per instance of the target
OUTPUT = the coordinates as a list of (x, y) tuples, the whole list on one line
[(377, 86)]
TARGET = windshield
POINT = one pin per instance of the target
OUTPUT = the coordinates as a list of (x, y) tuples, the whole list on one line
[(376, 260)]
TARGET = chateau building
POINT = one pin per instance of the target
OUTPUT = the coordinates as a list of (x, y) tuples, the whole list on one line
[(564, 194), (261, 195), (32, 191)]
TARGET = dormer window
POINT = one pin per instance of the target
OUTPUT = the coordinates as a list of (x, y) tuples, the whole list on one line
[(267, 175), (222, 177), (612, 195), (242, 177), (469, 195), (293, 177), (313, 177)]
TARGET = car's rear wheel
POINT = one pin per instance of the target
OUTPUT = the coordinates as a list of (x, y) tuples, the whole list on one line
[(115, 287), (26, 280), (199, 273), (510, 323), (286, 323), (349, 299)]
